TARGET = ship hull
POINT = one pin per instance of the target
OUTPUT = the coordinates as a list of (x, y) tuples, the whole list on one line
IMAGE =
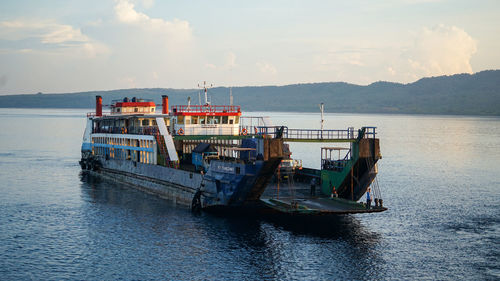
[(219, 188)]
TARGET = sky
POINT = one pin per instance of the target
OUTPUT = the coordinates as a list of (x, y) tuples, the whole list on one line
[(60, 46)]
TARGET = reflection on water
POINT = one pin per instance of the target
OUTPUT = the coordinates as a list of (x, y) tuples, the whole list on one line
[(222, 247)]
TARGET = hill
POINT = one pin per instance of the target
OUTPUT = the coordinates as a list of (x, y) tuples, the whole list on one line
[(461, 94)]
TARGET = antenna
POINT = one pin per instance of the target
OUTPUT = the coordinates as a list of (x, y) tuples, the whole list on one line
[(205, 89), (322, 107)]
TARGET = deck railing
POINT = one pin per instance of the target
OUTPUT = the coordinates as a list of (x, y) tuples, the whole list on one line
[(206, 109), (93, 114)]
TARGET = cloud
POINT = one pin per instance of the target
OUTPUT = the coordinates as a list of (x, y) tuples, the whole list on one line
[(129, 81), (50, 33), (229, 62), (266, 67), (64, 33), (442, 50), (348, 56), (179, 30)]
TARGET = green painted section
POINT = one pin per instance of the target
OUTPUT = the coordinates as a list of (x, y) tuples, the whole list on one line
[(335, 178)]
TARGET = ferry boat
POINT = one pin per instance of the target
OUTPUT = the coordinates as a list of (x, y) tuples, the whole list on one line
[(210, 157), (195, 155)]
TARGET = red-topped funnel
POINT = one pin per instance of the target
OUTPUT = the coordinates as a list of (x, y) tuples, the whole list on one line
[(164, 104), (98, 106)]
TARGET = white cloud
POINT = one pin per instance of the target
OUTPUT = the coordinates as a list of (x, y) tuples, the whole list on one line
[(345, 56), (442, 50), (48, 32), (64, 33), (179, 30), (266, 67), (130, 82), (65, 38)]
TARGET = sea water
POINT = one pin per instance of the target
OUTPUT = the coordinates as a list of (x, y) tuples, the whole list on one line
[(439, 177)]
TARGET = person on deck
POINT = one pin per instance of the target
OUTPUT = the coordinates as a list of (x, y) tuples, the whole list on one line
[(334, 192), (368, 198)]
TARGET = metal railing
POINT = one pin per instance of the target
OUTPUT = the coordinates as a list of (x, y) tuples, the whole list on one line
[(206, 109), (93, 114), (310, 134)]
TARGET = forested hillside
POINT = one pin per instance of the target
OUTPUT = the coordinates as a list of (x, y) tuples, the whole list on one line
[(476, 94)]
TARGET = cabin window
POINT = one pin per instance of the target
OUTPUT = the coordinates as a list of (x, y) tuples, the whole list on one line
[(141, 109), (237, 120), (118, 110), (152, 109), (145, 122), (231, 120), (202, 119), (210, 120), (224, 119), (194, 119), (216, 119), (180, 119), (153, 122), (188, 120), (136, 109)]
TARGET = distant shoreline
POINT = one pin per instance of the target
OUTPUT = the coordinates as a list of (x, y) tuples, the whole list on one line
[(461, 94)]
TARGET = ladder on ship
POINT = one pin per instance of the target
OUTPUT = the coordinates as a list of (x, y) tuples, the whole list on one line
[(162, 149)]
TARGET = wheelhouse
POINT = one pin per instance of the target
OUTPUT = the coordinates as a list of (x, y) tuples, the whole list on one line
[(133, 106), (206, 119)]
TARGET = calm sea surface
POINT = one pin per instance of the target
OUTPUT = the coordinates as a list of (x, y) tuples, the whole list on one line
[(440, 178)]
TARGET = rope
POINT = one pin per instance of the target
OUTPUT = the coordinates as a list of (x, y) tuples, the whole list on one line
[(375, 186)]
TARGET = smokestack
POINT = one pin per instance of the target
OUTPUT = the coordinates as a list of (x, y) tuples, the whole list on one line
[(164, 100), (98, 106)]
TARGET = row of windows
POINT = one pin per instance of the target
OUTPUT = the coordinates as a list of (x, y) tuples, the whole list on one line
[(208, 119), (134, 122), (122, 153)]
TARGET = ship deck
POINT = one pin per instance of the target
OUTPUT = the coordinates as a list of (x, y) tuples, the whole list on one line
[(296, 199)]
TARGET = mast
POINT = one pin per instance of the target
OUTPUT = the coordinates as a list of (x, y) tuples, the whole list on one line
[(321, 108), (205, 89)]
